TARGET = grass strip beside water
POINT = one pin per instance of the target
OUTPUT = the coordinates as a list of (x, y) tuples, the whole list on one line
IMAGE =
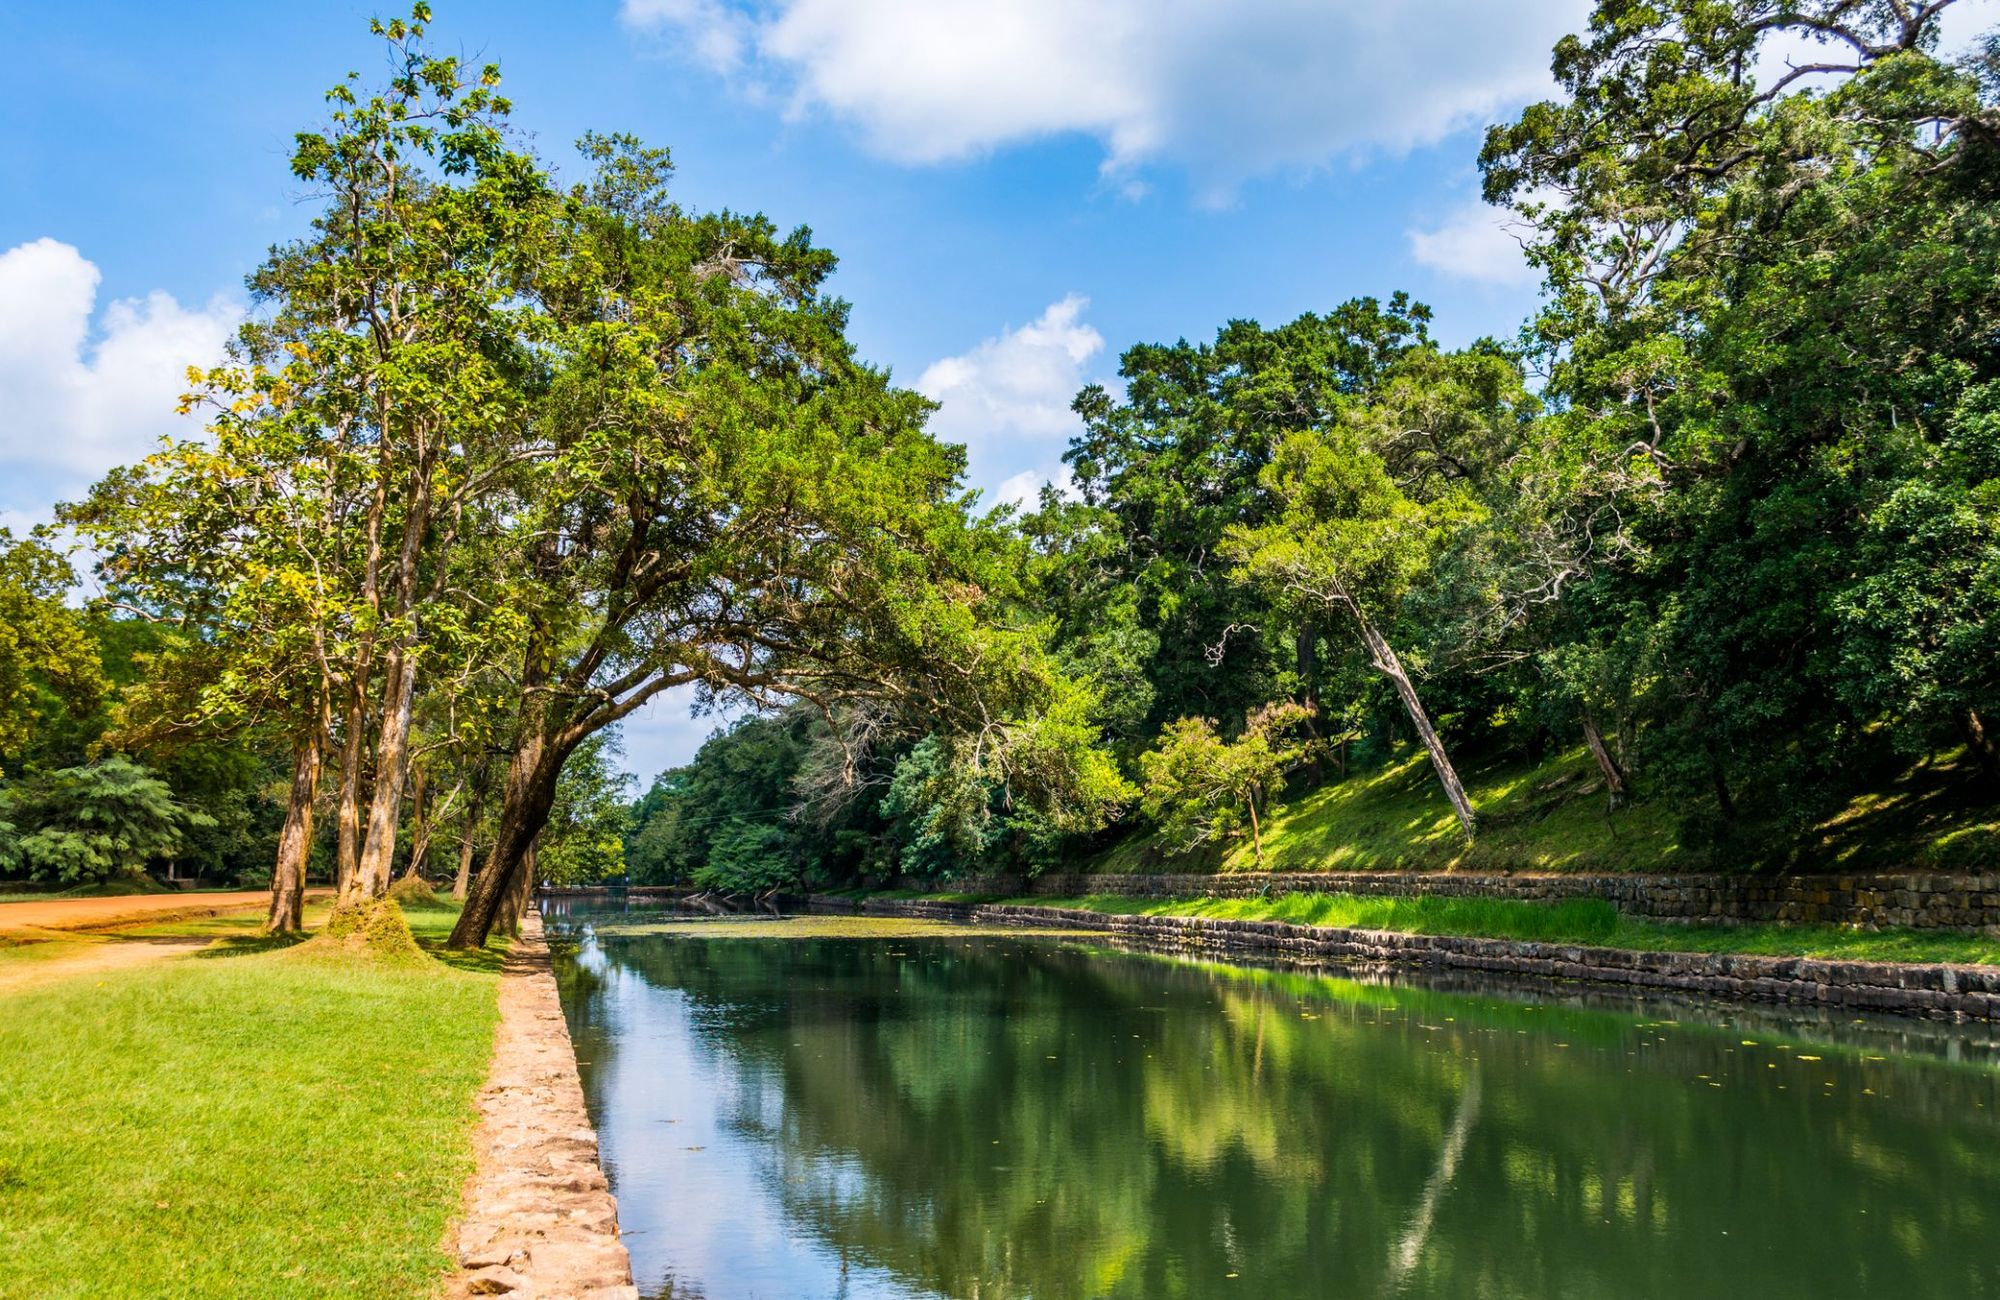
[(285, 1123), (1581, 921)]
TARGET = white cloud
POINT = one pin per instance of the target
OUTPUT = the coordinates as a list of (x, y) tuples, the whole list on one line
[(1475, 242), (1226, 88), (1025, 489), (75, 401), (1015, 388), (717, 34)]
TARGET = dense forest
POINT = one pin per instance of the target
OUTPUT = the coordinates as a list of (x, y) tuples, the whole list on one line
[(1715, 540)]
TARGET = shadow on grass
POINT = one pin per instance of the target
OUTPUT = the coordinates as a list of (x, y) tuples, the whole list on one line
[(430, 926), (482, 961), (248, 945)]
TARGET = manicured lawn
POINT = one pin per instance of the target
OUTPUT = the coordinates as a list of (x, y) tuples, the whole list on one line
[(1588, 921), (282, 1123)]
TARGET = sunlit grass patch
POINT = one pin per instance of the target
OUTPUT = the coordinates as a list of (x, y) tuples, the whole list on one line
[(1578, 921), (274, 1125)]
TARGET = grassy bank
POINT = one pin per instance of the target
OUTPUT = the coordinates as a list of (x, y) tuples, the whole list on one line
[(246, 1120), (1585, 921), (1553, 817)]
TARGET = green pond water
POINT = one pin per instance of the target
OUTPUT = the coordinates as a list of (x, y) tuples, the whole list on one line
[(815, 1109)]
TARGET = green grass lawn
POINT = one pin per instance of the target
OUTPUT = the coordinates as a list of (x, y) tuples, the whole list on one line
[(1584, 921), (282, 1123), (1553, 817)]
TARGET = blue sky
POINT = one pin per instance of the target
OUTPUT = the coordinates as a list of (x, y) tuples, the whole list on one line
[(1017, 189)]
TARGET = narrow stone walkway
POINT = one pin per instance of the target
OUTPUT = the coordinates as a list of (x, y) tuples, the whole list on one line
[(540, 1222)]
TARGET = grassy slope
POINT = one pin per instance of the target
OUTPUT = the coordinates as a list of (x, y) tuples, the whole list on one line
[(1553, 818), (285, 1123), (1588, 921)]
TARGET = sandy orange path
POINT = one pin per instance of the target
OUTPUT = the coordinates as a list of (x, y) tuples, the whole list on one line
[(101, 913)]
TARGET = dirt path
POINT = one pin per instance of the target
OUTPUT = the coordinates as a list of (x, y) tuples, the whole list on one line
[(71, 956), (48, 939), (540, 1221), (21, 920)]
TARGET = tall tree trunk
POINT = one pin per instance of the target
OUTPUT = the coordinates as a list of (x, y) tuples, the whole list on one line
[(463, 880), (392, 746), (471, 832), (354, 738), (1256, 832), (392, 756), (1614, 776), (519, 897), (420, 822), (353, 745), (526, 798), (1389, 665), (288, 875)]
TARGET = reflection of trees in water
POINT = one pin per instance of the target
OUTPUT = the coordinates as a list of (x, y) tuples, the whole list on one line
[(1316, 1136)]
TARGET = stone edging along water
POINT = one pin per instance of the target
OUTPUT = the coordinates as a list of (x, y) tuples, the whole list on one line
[(1970, 992), (1918, 900), (1923, 900), (540, 1221)]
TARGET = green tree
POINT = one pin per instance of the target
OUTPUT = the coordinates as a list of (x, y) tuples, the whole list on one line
[(1201, 788), (327, 542), (1165, 471), (48, 660), (734, 501), (1769, 318), (1348, 543), (83, 824), (584, 842)]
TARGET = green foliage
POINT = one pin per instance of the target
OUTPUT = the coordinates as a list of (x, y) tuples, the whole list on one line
[(558, 449), (725, 820), (1201, 789), (107, 819), (1129, 573), (1768, 333), (584, 842), (1346, 536), (48, 661)]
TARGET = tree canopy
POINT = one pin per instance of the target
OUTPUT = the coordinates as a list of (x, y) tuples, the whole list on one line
[(504, 457)]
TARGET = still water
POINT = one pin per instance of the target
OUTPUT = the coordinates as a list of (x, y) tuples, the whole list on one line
[(812, 1109)]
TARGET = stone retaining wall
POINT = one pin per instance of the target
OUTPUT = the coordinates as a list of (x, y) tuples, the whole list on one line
[(1970, 992), (1920, 901)]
